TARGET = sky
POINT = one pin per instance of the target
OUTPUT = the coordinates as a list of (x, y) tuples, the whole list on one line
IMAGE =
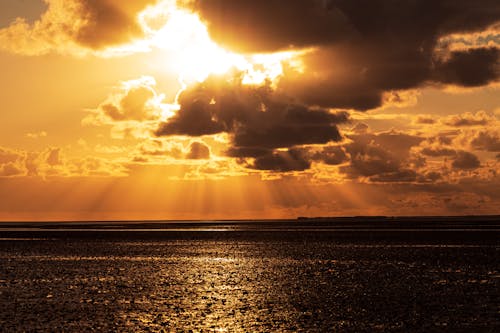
[(236, 109)]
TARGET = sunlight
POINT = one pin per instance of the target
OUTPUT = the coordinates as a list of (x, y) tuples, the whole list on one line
[(194, 56)]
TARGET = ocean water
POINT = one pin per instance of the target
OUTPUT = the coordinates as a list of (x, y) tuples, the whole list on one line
[(250, 279)]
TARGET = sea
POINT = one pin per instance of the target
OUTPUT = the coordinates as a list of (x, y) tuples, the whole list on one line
[(355, 274)]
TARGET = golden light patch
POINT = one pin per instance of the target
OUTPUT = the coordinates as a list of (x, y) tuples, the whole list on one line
[(193, 54)]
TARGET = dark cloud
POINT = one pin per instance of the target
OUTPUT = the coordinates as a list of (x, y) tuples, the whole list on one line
[(198, 151), (360, 128), (443, 138), (471, 68), (195, 118), (333, 77), (269, 25), (256, 115), (370, 160), (357, 75), (426, 120), (363, 48), (465, 161), (488, 141), (258, 120), (54, 157), (430, 177), (282, 161), (109, 22), (438, 151), (402, 176), (332, 155), (247, 152), (286, 135), (383, 157), (397, 143)]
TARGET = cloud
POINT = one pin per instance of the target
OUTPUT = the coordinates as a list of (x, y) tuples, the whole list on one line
[(133, 110), (403, 176), (75, 26), (382, 157), (95, 167), (350, 76), (53, 157), (246, 152), (8, 155), (480, 118), (395, 142), (198, 151), (134, 100), (331, 155), (258, 120), (448, 201), (10, 170), (110, 22), (486, 140), (466, 161), (438, 145), (181, 152), (47, 163), (11, 162), (332, 77), (369, 160), (358, 50), (161, 149), (443, 137), (471, 68), (360, 128), (255, 115), (425, 120), (481, 138), (195, 118), (438, 151), (52, 163), (263, 26), (400, 98), (282, 161), (430, 177), (467, 41), (36, 135), (212, 169), (132, 106)]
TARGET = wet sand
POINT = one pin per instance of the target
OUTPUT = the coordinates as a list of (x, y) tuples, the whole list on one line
[(241, 276)]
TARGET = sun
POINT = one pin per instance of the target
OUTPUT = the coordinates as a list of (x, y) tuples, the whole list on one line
[(194, 56)]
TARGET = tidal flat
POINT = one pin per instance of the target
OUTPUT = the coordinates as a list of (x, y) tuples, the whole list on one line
[(249, 281)]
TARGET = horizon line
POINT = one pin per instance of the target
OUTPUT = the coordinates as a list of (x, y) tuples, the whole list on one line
[(298, 218)]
